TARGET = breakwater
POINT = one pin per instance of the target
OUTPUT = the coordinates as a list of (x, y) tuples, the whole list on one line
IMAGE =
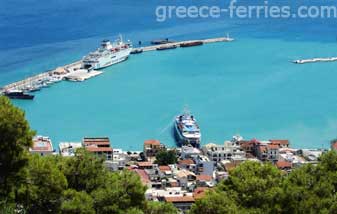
[(313, 60)]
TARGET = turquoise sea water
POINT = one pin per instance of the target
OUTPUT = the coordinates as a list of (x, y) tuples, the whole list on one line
[(246, 87)]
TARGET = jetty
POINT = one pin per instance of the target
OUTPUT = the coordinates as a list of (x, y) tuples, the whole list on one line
[(177, 44), (74, 72), (313, 60)]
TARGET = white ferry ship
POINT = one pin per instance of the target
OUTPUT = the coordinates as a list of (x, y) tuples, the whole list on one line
[(108, 54), (187, 130)]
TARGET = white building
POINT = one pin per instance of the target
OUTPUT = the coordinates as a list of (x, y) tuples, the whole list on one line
[(204, 165), (227, 151), (67, 149), (189, 151)]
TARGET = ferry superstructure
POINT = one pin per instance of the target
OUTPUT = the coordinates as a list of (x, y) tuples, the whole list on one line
[(187, 131), (108, 54)]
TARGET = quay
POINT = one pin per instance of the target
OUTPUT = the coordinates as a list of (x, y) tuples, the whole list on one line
[(177, 44), (73, 71), (303, 61), (82, 75)]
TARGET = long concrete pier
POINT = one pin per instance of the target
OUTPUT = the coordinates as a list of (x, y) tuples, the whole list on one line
[(205, 41), (70, 69)]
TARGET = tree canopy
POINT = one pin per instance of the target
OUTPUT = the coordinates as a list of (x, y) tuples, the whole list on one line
[(166, 157), (262, 188), (15, 139)]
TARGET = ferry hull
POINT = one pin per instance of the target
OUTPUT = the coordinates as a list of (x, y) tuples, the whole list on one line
[(112, 63), (183, 141)]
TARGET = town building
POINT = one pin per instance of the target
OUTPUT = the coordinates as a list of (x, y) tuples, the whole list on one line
[(152, 147), (100, 146), (189, 152), (42, 146), (182, 203), (227, 151), (204, 165), (68, 149)]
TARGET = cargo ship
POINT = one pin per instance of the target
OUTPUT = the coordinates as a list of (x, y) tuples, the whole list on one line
[(187, 131), (191, 44)]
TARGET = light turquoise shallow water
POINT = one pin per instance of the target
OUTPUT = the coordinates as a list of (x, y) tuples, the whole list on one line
[(247, 87)]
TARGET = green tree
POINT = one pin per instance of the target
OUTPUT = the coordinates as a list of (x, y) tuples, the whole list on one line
[(15, 139), (312, 188), (74, 202), (215, 202), (255, 186), (166, 157), (251, 188), (84, 171), (43, 187), (160, 208), (121, 191)]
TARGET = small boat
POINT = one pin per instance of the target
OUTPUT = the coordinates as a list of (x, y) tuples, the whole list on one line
[(136, 51), (187, 131), (191, 44), (31, 88), (161, 42), (18, 94), (45, 84), (55, 79), (162, 48)]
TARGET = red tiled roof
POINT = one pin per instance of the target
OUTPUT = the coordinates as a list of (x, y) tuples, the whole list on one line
[(96, 141), (245, 143), (98, 149), (152, 142), (143, 176), (262, 148), (144, 164), (334, 146), (164, 168), (283, 164), (41, 145), (179, 199), (174, 184), (281, 142), (186, 162), (199, 192), (204, 177), (272, 146)]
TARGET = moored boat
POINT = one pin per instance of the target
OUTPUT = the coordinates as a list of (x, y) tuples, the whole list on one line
[(191, 44), (136, 51), (162, 48), (161, 41), (108, 54), (18, 94), (187, 131)]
